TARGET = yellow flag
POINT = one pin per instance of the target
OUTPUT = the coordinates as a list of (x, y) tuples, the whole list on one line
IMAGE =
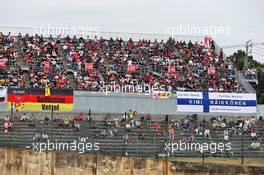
[(47, 92)]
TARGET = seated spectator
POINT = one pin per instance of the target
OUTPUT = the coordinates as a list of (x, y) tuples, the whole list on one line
[(233, 130), (226, 137), (108, 120), (253, 120), (141, 136), (24, 117), (66, 123), (131, 114), (163, 132), (177, 125), (92, 124), (46, 120), (7, 126), (253, 135), (45, 137), (77, 126), (6, 118), (103, 133), (37, 137), (115, 131), (207, 133), (148, 118), (255, 145), (138, 123), (116, 122), (125, 117), (110, 132), (128, 126), (157, 126), (223, 124), (80, 117), (132, 123), (171, 131), (125, 139)]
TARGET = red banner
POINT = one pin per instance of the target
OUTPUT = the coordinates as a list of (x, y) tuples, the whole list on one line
[(131, 68), (88, 66), (171, 69), (2, 64), (211, 70)]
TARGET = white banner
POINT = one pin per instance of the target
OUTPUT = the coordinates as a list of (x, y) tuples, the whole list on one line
[(190, 101), (232, 103), (216, 102)]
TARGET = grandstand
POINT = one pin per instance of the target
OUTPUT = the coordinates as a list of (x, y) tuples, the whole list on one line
[(45, 65), (88, 64)]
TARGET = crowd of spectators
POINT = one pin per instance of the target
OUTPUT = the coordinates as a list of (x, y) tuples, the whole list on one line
[(41, 56), (167, 65), (144, 65), (9, 75)]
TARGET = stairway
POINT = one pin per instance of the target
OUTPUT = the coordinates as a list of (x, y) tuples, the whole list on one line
[(71, 77), (21, 64)]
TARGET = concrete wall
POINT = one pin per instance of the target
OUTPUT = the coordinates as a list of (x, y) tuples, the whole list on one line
[(100, 102), (119, 103), (26, 162)]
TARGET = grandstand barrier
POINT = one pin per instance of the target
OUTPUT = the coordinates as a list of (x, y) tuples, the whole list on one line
[(117, 102)]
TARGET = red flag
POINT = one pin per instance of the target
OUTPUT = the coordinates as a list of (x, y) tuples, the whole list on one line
[(88, 66), (2, 64), (211, 70), (179, 60), (207, 42), (131, 68), (171, 69), (47, 67)]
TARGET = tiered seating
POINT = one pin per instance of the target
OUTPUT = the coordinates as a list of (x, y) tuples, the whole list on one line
[(166, 65), (9, 75), (169, 65), (45, 64), (152, 145)]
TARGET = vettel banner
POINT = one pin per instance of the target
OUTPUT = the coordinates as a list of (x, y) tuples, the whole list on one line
[(216, 102), (41, 99)]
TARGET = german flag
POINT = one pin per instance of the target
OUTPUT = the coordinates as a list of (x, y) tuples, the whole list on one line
[(41, 99)]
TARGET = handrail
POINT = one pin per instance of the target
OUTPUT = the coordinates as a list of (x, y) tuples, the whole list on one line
[(99, 33), (242, 80)]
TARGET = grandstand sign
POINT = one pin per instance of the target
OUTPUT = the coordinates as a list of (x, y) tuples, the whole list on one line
[(161, 94), (41, 99), (208, 102)]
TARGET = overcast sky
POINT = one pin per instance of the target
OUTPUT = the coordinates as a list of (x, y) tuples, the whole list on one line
[(237, 20)]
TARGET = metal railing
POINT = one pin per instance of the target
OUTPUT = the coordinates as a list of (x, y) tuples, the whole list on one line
[(99, 33), (242, 80)]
